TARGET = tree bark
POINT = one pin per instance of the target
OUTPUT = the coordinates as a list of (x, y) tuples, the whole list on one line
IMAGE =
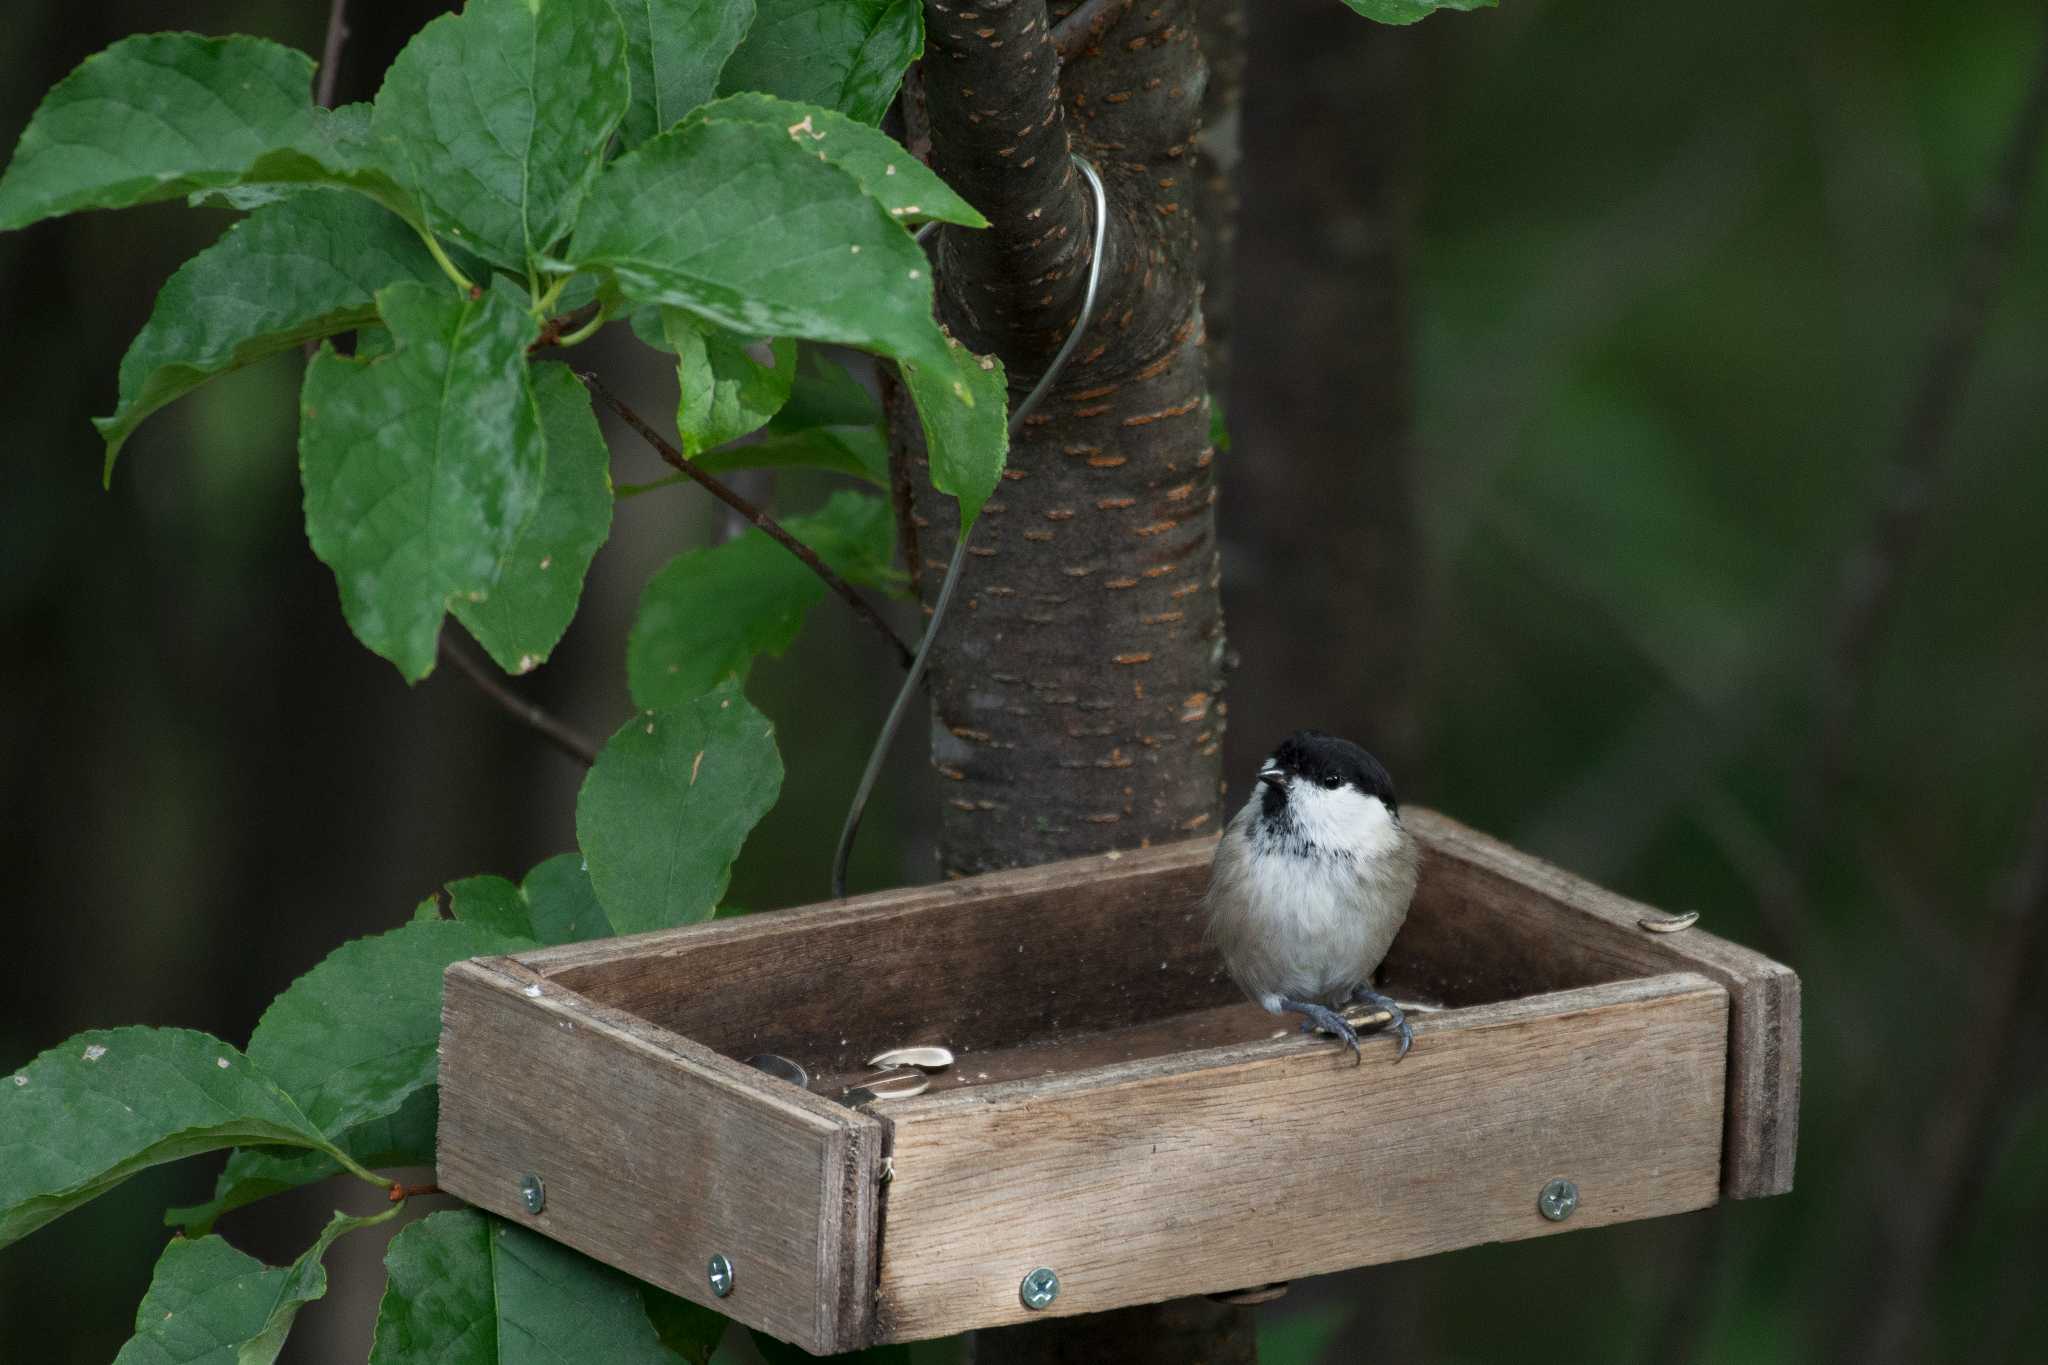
[(1076, 685)]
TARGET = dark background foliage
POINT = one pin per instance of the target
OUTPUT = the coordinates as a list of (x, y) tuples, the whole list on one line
[(1666, 281)]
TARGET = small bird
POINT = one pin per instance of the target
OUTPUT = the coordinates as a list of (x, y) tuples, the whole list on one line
[(1311, 882)]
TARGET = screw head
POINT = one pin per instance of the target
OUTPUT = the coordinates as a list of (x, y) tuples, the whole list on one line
[(532, 1193), (1040, 1288), (720, 1275), (1559, 1200)]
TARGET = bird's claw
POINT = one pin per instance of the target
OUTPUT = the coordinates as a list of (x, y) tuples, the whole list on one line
[(1315, 1017), (1396, 1020)]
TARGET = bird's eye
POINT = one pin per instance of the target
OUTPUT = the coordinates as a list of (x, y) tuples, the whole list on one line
[(1333, 782)]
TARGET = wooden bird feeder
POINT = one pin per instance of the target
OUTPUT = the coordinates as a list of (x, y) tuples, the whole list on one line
[(1117, 1113)]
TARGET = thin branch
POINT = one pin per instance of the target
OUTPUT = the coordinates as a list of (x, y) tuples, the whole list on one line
[(1871, 575), (555, 731), (401, 1192), (754, 515), (900, 496), (330, 53), (557, 330), (330, 71), (1952, 1159), (1084, 25)]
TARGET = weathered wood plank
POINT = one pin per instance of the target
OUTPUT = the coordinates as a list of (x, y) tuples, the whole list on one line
[(988, 962), (1489, 910), (1281, 1159), (656, 1152)]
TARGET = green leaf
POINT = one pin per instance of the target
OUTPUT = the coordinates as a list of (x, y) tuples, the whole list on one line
[(859, 451), (156, 116), (303, 1283), (741, 226), (209, 1304), (421, 467), (899, 181), (854, 534), (707, 614), (1219, 429), (356, 1037), (163, 115), (662, 815), (565, 908), (338, 152), (825, 394), (967, 441), (492, 903), (848, 55), (205, 1300), (291, 272), (555, 905), (691, 1330), (467, 1289), (676, 48), (496, 118), (726, 390), (524, 616), (404, 1138), (1409, 11), (101, 1106)]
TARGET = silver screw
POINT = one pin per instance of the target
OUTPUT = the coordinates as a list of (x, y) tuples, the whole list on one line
[(720, 1275), (1558, 1200), (532, 1193), (1040, 1288)]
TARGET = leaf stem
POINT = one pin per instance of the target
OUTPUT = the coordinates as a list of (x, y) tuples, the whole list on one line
[(554, 291), (634, 490), (585, 332), (754, 515), (550, 728), (462, 281), (357, 1169)]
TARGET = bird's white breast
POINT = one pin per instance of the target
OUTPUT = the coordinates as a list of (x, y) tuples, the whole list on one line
[(1307, 909)]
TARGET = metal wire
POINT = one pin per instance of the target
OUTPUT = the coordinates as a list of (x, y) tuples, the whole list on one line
[(952, 580)]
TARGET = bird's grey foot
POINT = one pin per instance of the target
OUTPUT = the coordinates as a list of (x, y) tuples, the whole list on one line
[(1315, 1017), (1365, 995)]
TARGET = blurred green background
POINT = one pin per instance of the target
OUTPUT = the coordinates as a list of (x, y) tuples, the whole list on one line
[(1574, 469)]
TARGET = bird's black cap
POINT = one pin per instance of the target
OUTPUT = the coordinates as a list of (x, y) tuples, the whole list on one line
[(1312, 756)]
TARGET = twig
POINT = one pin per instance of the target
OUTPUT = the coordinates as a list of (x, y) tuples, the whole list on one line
[(330, 71), (400, 1192), (555, 731), (1952, 1158), (1084, 24), (330, 53), (899, 481), (555, 328), (754, 515), (1871, 575)]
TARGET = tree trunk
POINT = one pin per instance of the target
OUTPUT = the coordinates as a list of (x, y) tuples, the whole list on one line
[(1075, 687), (1321, 528)]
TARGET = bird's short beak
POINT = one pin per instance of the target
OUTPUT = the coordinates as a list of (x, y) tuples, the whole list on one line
[(1273, 777)]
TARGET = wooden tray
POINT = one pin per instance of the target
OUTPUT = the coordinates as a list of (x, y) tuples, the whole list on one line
[(1117, 1113)]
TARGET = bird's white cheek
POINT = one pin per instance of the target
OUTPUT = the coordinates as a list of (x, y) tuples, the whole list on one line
[(1345, 819)]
